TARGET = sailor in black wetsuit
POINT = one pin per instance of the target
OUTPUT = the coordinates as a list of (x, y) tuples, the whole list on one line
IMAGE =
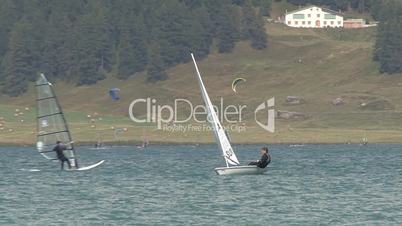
[(265, 159), (59, 148)]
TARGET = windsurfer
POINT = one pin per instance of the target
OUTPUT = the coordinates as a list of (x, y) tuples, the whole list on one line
[(59, 148)]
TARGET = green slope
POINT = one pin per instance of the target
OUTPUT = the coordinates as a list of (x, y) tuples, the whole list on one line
[(318, 65)]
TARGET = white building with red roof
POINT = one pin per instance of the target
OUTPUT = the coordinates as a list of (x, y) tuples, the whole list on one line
[(313, 17)]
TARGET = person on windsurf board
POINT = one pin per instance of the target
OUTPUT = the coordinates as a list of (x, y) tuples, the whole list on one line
[(59, 149), (265, 159)]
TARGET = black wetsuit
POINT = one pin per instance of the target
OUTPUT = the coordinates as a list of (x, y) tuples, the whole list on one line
[(59, 148), (263, 162)]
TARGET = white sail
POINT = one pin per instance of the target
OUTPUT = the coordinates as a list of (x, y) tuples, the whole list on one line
[(52, 125), (219, 131)]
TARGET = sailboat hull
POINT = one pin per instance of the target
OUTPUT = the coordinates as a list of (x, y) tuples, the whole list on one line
[(240, 170)]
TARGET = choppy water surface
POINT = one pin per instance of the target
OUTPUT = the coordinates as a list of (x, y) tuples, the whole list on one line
[(176, 185)]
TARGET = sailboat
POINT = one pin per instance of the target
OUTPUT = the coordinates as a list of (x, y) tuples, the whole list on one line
[(232, 163), (99, 145), (364, 140), (52, 126), (145, 140)]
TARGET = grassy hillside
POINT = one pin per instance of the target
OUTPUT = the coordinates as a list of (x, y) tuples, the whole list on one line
[(318, 65)]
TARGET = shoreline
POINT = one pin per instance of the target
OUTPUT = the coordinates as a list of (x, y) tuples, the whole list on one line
[(136, 143), (134, 136)]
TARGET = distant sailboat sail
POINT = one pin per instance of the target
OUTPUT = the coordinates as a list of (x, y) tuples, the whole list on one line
[(51, 123), (365, 140), (219, 131)]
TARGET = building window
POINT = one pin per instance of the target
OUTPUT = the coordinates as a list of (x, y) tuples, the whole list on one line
[(318, 15), (332, 22), (304, 22), (298, 16), (309, 22), (325, 22), (296, 22), (289, 22), (329, 16), (339, 22), (308, 15)]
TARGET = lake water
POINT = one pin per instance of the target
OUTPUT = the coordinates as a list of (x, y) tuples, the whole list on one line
[(176, 185)]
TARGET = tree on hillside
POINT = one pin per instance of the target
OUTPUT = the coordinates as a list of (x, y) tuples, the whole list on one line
[(360, 5), (248, 19), (265, 7), (258, 34), (19, 62), (388, 47), (202, 32), (156, 70), (105, 40), (253, 27), (59, 54), (132, 57), (226, 31), (8, 16), (375, 7), (175, 32), (89, 47), (82, 41)]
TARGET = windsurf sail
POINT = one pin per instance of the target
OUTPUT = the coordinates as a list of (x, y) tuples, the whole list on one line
[(219, 131), (51, 123), (364, 140)]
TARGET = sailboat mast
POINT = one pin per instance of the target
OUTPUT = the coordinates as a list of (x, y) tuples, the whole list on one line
[(52, 125), (219, 131), (66, 125)]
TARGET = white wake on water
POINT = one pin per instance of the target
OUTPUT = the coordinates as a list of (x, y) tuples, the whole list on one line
[(30, 170)]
